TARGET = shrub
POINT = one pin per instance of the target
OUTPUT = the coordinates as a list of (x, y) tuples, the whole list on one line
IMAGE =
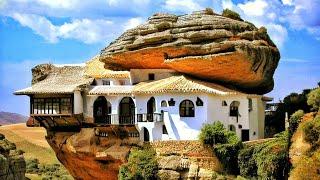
[(247, 164), (311, 131), (211, 134), (294, 121), (142, 164), (231, 14), (226, 144), (314, 99), (268, 160)]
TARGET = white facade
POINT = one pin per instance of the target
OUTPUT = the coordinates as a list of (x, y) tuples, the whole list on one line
[(249, 121)]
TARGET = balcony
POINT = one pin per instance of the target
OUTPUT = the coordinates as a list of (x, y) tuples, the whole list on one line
[(154, 117), (116, 119)]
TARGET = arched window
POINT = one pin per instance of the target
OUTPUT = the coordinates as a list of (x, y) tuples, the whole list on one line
[(164, 103), (186, 108), (232, 128), (234, 108), (224, 103), (199, 102)]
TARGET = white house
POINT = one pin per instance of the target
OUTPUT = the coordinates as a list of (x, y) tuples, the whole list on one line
[(160, 103)]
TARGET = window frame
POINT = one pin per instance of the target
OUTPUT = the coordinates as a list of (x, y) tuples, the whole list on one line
[(151, 76), (187, 108)]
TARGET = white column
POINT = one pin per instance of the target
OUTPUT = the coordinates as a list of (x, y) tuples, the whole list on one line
[(77, 103)]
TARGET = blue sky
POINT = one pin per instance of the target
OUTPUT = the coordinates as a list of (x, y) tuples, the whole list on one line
[(73, 31)]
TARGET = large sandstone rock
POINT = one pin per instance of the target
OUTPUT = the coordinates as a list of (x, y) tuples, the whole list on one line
[(87, 155), (202, 44), (12, 163)]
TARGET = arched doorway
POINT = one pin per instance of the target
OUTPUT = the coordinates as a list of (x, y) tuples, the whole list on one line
[(151, 108), (126, 111), (146, 135), (101, 110)]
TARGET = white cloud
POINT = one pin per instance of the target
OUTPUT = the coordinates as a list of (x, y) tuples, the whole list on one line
[(287, 2), (85, 30), (185, 6), (133, 22), (254, 8), (39, 24)]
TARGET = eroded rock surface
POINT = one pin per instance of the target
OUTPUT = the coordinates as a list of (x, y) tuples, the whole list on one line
[(12, 163), (88, 155), (202, 44)]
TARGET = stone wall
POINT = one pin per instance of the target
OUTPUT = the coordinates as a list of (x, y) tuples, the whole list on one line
[(185, 160), (12, 163)]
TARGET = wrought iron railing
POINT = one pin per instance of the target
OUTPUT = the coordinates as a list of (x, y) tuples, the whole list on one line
[(146, 117)]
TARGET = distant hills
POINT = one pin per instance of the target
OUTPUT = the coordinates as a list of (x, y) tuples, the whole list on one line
[(11, 118)]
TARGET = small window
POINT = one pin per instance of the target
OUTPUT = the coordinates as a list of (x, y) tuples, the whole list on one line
[(106, 82), (186, 108), (224, 103), (199, 102), (122, 82), (151, 76), (164, 103), (171, 102), (234, 108), (250, 104), (232, 128), (164, 129)]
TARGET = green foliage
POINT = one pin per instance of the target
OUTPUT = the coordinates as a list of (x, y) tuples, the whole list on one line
[(211, 134), (247, 164), (294, 121), (231, 14), (311, 131), (142, 164), (46, 171), (269, 159), (314, 99), (295, 101), (226, 144)]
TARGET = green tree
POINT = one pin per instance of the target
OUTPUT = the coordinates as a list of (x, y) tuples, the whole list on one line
[(314, 99), (142, 164)]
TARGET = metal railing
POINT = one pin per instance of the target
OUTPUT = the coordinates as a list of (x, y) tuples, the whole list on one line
[(146, 117), (129, 119)]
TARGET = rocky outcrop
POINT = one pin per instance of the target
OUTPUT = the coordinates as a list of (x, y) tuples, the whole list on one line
[(202, 44), (92, 153), (12, 163), (40, 72), (185, 160)]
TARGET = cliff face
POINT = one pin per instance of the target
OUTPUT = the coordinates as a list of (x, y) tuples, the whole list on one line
[(12, 163), (92, 153), (202, 44)]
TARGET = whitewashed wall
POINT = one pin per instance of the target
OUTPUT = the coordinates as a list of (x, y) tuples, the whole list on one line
[(140, 75), (182, 128), (78, 103), (113, 82)]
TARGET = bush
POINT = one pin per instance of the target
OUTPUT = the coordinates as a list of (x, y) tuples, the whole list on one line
[(314, 99), (226, 144), (294, 121), (211, 134), (247, 164), (268, 160), (231, 14), (311, 131), (142, 164)]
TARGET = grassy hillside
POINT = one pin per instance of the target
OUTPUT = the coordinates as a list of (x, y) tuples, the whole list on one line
[(31, 141), (11, 118)]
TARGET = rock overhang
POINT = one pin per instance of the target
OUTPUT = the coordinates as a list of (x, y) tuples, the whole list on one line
[(204, 45)]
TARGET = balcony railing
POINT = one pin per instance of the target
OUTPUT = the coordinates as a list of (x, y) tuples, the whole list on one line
[(130, 119), (146, 117)]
